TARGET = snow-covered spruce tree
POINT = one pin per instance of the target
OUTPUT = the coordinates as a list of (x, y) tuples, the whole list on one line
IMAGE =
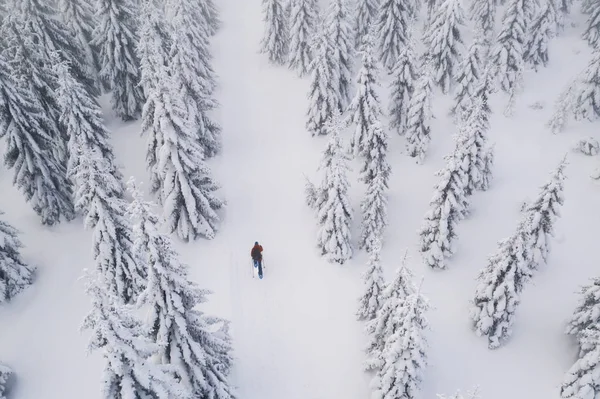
[(405, 351), (153, 50), (582, 379), (419, 115), (499, 287), (443, 42), (447, 207), (211, 16), (80, 19), (375, 170), (586, 103), (541, 31), (105, 216), (303, 21), (592, 32), (477, 157), (365, 109), (384, 325), (42, 24), (371, 300), (175, 157), (565, 105), (197, 346), (335, 213), (483, 13), (323, 97), (190, 66), (364, 16), (483, 90), (29, 149), (393, 19), (275, 42), (542, 213), (36, 73), (487, 174), (338, 32), (587, 313), (468, 75), (5, 374), (15, 275), (374, 208), (507, 53), (119, 67), (403, 85), (81, 116), (128, 372)]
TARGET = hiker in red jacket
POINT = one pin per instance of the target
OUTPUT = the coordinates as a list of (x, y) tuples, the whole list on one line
[(256, 254)]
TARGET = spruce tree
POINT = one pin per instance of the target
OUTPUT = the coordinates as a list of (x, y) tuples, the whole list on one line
[(586, 89), (483, 90), (42, 24), (405, 351), (483, 13), (565, 105), (105, 216), (418, 118), (37, 74), (323, 98), (468, 75), (374, 211), (393, 20), (499, 287), (365, 14), (197, 347), (338, 33), (6, 374), (371, 142), (79, 18), (365, 109), (592, 32), (175, 156), (541, 31), (119, 66), (153, 50), (190, 66), (371, 300), (128, 373), (582, 380), (477, 156), (447, 207), (542, 213), (507, 54), (303, 22), (29, 148), (82, 119), (335, 213), (275, 40), (403, 86), (211, 16), (587, 313), (443, 42), (384, 325), (15, 274)]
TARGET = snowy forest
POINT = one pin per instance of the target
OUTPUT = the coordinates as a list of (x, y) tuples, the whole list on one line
[(403, 163)]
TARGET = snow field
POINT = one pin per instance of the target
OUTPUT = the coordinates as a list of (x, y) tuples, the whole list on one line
[(295, 335)]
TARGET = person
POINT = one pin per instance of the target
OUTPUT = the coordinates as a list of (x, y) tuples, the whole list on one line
[(256, 254)]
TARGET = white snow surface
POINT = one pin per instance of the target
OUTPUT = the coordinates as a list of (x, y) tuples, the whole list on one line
[(295, 333)]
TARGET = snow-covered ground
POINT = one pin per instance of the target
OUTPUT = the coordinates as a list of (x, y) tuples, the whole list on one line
[(295, 332)]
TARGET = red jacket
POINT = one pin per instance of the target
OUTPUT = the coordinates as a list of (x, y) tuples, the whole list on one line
[(256, 252)]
